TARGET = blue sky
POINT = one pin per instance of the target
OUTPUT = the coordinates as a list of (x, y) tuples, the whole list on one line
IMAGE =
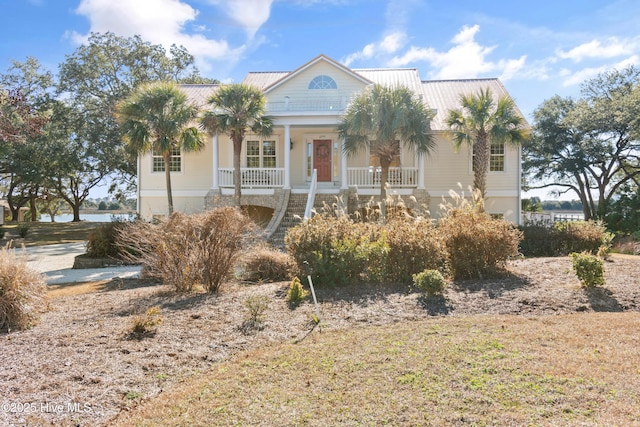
[(538, 49)]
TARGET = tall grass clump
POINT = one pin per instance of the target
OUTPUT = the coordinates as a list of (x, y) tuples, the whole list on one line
[(22, 291), (477, 245), (263, 263), (187, 251)]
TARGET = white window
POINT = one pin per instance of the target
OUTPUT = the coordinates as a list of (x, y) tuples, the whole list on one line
[(496, 157), (261, 154), (175, 161), (323, 82), (496, 160)]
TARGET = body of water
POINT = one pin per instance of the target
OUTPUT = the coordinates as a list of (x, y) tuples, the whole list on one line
[(89, 217)]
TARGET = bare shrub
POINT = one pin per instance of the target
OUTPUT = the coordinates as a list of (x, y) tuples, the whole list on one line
[(266, 264), (187, 251), (22, 291), (477, 244)]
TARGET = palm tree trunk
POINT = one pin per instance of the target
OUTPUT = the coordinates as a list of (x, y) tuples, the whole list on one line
[(237, 176), (481, 156), (167, 175), (384, 179)]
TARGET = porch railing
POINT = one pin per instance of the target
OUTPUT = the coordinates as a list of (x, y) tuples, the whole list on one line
[(253, 178), (337, 104), (370, 177)]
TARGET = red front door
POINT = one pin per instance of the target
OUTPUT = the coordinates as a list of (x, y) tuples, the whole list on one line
[(322, 159)]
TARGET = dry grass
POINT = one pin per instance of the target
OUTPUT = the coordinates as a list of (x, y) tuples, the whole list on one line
[(505, 370), (532, 348), (47, 233), (22, 292)]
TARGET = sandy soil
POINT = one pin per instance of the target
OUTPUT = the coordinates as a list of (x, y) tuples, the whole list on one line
[(81, 366)]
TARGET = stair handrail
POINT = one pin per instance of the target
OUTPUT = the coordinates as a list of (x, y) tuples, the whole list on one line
[(313, 186)]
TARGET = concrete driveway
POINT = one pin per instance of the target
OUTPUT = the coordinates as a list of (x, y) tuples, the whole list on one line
[(55, 262)]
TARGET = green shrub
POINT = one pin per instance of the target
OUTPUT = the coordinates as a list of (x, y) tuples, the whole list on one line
[(305, 241), (22, 292), (563, 238), (589, 269), (23, 229), (296, 293), (338, 251), (187, 251), (430, 282), (264, 263), (477, 244)]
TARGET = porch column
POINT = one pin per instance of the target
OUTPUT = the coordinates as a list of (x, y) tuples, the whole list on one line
[(344, 176), (215, 159), (287, 157), (421, 170)]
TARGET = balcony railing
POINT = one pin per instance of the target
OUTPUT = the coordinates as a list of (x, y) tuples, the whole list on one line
[(370, 177), (254, 178), (337, 104)]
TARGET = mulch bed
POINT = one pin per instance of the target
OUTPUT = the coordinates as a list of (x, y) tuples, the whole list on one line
[(81, 366)]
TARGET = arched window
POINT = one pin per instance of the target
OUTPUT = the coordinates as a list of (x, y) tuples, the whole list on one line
[(323, 82)]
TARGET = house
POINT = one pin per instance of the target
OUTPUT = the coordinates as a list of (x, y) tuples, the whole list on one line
[(304, 155)]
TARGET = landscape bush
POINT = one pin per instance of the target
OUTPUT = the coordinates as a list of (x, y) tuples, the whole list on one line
[(431, 282), (329, 248), (477, 244), (187, 251), (22, 291), (413, 246), (101, 242), (338, 251), (23, 229), (582, 236), (296, 293), (564, 238), (263, 263), (589, 269)]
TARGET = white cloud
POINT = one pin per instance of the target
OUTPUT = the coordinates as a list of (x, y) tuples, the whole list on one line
[(466, 59), (580, 76), (159, 22), (389, 45), (250, 14), (609, 48)]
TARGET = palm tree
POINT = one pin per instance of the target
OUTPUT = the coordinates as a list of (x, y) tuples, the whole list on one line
[(481, 122), (381, 119), (157, 118), (236, 109)]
